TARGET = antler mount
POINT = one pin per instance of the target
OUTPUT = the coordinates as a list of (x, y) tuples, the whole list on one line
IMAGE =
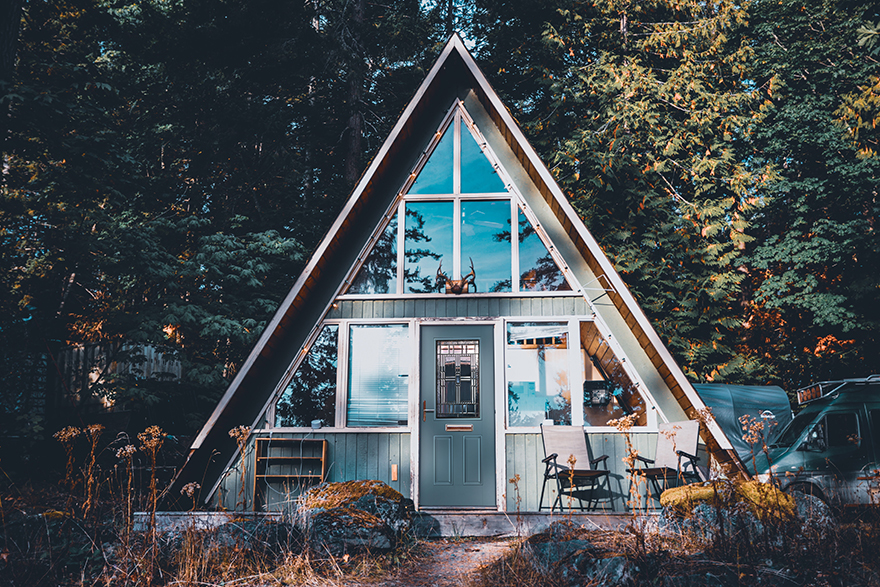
[(457, 286)]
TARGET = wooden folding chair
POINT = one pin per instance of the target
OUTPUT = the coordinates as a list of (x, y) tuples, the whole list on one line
[(675, 460), (582, 481)]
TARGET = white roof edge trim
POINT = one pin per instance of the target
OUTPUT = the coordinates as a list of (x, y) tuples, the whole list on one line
[(454, 42), (591, 243)]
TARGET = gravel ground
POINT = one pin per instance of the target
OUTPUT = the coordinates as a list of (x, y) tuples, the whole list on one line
[(445, 563)]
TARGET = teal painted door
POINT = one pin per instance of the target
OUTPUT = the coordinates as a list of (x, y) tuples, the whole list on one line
[(457, 409)]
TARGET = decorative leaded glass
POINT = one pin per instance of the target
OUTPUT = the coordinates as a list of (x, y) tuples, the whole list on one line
[(458, 379)]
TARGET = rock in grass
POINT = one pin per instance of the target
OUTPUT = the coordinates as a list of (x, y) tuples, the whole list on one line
[(354, 517), (341, 531)]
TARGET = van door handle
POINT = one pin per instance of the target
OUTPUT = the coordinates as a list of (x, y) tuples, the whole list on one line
[(425, 411)]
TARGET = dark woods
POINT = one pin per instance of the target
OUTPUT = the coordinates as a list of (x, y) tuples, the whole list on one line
[(169, 165)]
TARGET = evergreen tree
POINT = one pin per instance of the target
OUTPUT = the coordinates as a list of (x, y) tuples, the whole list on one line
[(814, 269), (170, 163), (646, 112)]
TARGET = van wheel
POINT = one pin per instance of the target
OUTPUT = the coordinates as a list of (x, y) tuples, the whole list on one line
[(807, 489)]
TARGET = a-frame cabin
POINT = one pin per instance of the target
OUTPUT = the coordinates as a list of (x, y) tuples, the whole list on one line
[(456, 304)]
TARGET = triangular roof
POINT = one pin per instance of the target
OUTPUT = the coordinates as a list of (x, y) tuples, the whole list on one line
[(322, 279)]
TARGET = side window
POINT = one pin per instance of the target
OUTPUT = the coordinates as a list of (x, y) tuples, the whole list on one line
[(311, 394), (537, 373), (836, 431), (379, 359)]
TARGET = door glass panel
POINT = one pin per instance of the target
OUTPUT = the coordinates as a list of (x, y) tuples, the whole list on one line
[(378, 374), (538, 271), (378, 275), (478, 176), (485, 242), (537, 373), (458, 379), (311, 394), (427, 245), (436, 175)]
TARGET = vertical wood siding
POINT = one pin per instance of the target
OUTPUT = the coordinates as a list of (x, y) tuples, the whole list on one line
[(524, 452), (455, 307), (351, 456)]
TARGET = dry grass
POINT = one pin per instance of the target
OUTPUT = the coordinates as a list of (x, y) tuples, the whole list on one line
[(80, 532)]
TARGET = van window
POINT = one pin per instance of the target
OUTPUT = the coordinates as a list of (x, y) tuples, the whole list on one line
[(875, 427), (841, 430), (796, 427)]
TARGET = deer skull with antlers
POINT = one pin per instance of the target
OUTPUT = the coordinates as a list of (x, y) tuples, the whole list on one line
[(457, 286)]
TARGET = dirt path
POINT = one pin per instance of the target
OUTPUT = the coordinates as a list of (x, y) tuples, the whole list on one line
[(446, 563)]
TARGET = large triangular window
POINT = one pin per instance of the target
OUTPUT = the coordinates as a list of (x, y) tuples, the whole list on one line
[(451, 230)]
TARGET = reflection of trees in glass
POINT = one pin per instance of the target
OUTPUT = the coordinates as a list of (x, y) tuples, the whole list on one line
[(311, 394), (378, 275), (483, 226), (538, 270), (503, 285), (414, 233), (556, 407)]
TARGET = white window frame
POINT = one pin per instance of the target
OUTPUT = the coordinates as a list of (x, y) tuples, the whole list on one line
[(342, 368), (576, 368)]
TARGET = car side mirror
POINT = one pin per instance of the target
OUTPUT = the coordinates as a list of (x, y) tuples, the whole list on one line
[(813, 443)]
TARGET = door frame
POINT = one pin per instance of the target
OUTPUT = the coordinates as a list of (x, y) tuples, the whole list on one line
[(500, 404)]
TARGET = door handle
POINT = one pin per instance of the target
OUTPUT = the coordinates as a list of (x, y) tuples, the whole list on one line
[(425, 411)]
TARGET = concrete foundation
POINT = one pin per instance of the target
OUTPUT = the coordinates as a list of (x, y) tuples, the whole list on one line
[(428, 524)]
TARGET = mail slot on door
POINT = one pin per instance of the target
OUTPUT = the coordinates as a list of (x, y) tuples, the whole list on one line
[(459, 427)]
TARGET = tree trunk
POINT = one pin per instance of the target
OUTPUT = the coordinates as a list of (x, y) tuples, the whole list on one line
[(450, 17), (355, 128), (10, 24)]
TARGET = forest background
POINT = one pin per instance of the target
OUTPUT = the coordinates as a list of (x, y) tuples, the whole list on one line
[(169, 165)]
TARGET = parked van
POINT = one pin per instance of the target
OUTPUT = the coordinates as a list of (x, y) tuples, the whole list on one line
[(831, 449)]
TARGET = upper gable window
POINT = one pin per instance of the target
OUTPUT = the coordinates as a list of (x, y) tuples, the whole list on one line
[(457, 228), (436, 175), (477, 173), (457, 163)]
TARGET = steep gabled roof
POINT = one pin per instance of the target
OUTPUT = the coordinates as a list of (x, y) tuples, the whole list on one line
[(321, 280)]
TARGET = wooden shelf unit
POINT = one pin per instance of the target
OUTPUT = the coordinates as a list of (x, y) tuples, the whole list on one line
[(287, 465)]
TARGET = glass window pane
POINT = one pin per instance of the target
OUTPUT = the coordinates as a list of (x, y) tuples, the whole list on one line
[(427, 245), (311, 394), (378, 374), (843, 430), (436, 175), (608, 392), (537, 374), (538, 271), (378, 275), (478, 176), (485, 242)]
